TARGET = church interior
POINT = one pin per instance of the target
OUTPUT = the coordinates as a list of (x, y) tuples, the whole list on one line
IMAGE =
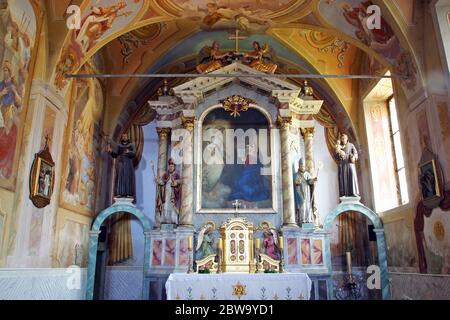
[(225, 149)]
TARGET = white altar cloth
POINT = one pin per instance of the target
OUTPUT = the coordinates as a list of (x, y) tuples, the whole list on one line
[(238, 286)]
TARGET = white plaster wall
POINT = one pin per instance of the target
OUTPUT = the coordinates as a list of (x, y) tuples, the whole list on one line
[(146, 192)]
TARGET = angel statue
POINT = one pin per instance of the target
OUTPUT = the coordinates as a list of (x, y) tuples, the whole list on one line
[(204, 242), (270, 242), (259, 58), (211, 58)]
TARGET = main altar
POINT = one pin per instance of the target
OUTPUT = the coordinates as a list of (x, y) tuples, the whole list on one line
[(234, 216)]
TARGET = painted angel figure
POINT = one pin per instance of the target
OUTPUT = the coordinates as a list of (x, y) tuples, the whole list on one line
[(259, 60), (270, 243), (98, 21), (204, 243)]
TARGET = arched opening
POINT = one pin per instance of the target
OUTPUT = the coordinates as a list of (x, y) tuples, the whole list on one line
[(353, 249), (117, 208), (355, 206)]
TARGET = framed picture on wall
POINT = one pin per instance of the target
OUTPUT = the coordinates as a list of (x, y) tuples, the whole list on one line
[(430, 182), (42, 178)]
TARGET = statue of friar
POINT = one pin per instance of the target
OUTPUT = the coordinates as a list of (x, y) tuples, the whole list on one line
[(169, 195), (304, 187), (124, 152), (347, 156)]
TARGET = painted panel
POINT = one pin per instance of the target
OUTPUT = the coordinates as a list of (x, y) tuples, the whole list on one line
[(156, 252), (183, 253), (318, 254), (306, 252), (169, 252), (292, 250)]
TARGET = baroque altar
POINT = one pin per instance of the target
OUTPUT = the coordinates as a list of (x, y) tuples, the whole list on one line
[(238, 214)]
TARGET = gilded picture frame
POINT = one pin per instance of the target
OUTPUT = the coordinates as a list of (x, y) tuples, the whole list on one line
[(42, 178)]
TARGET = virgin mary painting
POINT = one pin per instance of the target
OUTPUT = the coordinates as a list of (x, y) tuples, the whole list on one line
[(245, 178)]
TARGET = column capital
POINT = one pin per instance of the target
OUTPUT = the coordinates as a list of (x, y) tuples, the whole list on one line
[(163, 132), (307, 132), (188, 119), (284, 122)]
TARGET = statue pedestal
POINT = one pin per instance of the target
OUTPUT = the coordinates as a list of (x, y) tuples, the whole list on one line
[(167, 226), (120, 200), (308, 226), (347, 199)]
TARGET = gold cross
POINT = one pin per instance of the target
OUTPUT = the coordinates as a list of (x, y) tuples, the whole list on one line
[(236, 37)]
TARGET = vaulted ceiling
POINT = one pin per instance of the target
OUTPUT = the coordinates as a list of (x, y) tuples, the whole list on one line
[(306, 36)]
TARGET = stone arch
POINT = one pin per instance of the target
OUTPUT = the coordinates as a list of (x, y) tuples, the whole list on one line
[(119, 207), (379, 231)]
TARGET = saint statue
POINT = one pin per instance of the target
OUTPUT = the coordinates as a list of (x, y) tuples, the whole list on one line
[(211, 58), (304, 187), (124, 152), (270, 244), (347, 156), (204, 243), (169, 195), (259, 60)]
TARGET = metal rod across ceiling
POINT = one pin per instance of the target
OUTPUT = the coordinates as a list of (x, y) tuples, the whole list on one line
[(229, 75)]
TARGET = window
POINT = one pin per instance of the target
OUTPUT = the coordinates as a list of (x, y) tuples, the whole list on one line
[(387, 164), (398, 153)]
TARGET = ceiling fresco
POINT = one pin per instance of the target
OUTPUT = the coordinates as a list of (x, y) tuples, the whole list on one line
[(319, 36)]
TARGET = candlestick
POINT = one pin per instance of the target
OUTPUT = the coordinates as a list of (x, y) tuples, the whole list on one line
[(349, 262), (190, 243), (280, 242), (258, 243), (219, 244)]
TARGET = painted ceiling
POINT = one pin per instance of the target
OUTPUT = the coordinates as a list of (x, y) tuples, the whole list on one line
[(309, 36)]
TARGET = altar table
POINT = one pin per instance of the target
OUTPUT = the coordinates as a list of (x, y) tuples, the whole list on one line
[(238, 286)]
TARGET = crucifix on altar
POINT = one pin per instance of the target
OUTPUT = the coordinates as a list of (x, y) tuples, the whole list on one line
[(236, 39), (236, 204)]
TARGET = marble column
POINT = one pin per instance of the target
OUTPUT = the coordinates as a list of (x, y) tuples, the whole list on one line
[(187, 189), (163, 146), (308, 135), (287, 183)]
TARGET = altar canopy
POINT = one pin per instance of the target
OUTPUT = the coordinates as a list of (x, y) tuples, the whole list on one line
[(238, 286)]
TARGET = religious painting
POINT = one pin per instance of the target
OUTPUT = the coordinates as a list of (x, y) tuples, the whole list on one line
[(99, 19), (42, 178), (17, 34), (73, 237), (353, 18), (169, 252), (423, 129), (429, 181), (248, 16), (236, 171), (83, 147), (156, 252)]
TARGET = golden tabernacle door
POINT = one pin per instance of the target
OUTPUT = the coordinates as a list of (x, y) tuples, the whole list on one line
[(237, 237)]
